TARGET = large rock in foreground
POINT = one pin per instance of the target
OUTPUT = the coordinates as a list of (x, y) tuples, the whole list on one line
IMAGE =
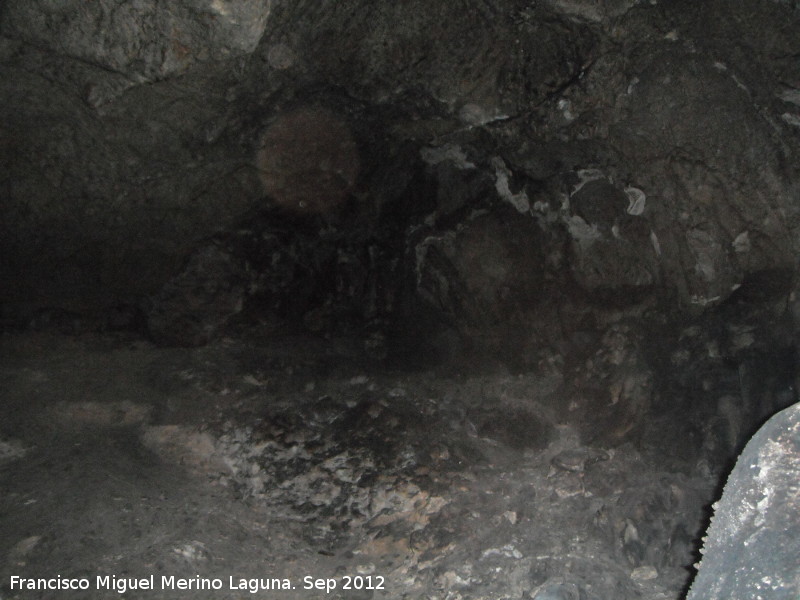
[(752, 549)]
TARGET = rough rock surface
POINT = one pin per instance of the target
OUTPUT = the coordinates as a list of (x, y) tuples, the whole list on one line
[(752, 546), (597, 200), (624, 153), (252, 461)]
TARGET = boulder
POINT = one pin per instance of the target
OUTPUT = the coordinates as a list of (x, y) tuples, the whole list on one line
[(752, 546)]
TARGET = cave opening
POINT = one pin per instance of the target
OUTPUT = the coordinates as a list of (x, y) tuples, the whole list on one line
[(447, 300)]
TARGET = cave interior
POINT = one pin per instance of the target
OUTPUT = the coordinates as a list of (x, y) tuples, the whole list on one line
[(425, 299)]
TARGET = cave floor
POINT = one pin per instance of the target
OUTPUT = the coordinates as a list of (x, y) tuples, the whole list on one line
[(296, 465)]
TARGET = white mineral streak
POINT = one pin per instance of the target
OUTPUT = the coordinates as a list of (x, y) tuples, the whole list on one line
[(655, 242), (520, 200), (742, 242), (636, 201), (585, 176)]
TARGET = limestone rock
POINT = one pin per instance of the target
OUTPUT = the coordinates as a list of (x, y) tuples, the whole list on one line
[(752, 544)]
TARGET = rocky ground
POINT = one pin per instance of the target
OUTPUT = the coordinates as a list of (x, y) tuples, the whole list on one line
[(256, 464)]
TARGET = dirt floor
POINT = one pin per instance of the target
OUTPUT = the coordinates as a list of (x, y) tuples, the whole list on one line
[(296, 470)]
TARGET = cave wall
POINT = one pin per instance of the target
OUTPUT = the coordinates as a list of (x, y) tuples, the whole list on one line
[(499, 172)]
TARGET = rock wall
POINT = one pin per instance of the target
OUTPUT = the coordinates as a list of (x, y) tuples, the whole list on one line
[(491, 173)]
